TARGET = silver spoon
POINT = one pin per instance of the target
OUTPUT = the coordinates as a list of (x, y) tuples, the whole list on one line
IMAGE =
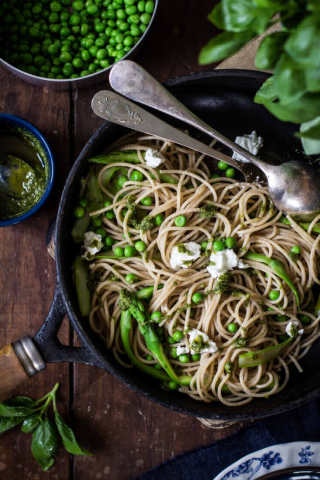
[(294, 186), (16, 176)]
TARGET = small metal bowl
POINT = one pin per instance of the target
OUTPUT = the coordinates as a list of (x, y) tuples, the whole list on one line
[(77, 83), (14, 121)]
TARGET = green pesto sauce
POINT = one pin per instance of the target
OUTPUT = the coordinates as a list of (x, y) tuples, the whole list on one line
[(21, 144)]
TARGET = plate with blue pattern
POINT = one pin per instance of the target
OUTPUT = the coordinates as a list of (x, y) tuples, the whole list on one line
[(296, 461)]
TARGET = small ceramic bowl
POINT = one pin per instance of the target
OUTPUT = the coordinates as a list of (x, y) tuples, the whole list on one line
[(14, 121)]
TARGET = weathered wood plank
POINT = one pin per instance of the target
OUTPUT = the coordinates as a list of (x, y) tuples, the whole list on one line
[(27, 273)]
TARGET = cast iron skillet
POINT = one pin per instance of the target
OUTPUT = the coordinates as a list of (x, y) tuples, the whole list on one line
[(224, 99)]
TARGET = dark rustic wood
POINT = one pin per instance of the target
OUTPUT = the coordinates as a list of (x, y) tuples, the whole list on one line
[(12, 373), (126, 433), (27, 272)]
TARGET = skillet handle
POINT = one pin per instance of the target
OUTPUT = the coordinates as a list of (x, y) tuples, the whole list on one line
[(18, 362)]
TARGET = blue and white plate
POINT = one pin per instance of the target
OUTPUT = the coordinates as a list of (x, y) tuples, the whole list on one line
[(296, 460)]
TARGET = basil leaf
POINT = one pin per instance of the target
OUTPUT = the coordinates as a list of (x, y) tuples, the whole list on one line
[(242, 15), (223, 45), (30, 424), (267, 92), (289, 80), (44, 444), (9, 422), (269, 50), (313, 79), (304, 44), (216, 17), (304, 109), (68, 438), (8, 411), (19, 401), (310, 136)]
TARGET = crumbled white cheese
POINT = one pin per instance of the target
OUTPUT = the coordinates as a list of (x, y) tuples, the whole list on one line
[(250, 142), (154, 158), (92, 243), (181, 350), (198, 337), (184, 254), (222, 262), (292, 329)]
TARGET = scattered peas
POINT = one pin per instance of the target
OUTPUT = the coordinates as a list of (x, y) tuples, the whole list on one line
[(121, 180), (137, 176), (79, 212), (180, 221), (131, 278), (304, 319), (281, 318), (110, 214), (183, 358), (147, 201), (196, 358), (218, 246), (230, 242), (274, 295), (204, 246), (109, 241), (197, 297), (140, 246), (118, 251), (158, 366), (129, 251), (178, 335), (173, 352), (232, 327), (157, 317), (230, 172), (149, 358), (84, 202), (223, 165), (215, 175), (158, 219), (296, 249), (170, 339), (96, 222), (102, 232)]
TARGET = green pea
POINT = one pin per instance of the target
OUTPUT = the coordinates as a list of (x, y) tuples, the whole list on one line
[(118, 251), (141, 6), (171, 340), (304, 319), (92, 9), (101, 54), (183, 358), (218, 246), (145, 18), (230, 172), (147, 201), (204, 246), (281, 318), (110, 214), (156, 317), (158, 366), (223, 165), (215, 175), (230, 242), (107, 203), (104, 63), (137, 176), (121, 180), (131, 10), (149, 6), (135, 31), (173, 386), (274, 295), (232, 327), (67, 70), (270, 309), (196, 358), (77, 63), (96, 222), (158, 219), (129, 251), (173, 352), (94, 51), (134, 19), (55, 6), (131, 278), (79, 212), (197, 297), (180, 221), (178, 335), (109, 241), (85, 55), (53, 49), (65, 57), (140, 246), (78, 5), (296, 249), (149, 358)]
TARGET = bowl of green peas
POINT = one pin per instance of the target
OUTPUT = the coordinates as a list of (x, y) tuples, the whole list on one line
[(63, 43)]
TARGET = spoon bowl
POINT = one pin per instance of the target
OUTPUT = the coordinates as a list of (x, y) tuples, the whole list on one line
[(16, 176)]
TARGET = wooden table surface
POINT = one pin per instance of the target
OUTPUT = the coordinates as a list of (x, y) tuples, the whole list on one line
[(127, 434)]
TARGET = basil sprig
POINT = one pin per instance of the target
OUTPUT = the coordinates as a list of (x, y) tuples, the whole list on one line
[(293, 92), (33, 414)]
